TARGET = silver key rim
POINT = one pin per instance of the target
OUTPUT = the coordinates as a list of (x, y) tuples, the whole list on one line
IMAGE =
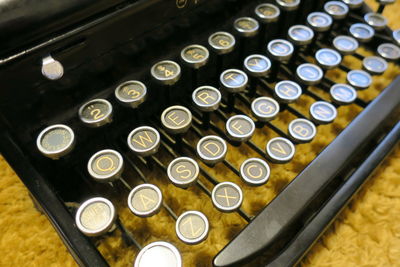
[(246, 32), (267, 18), (288, 5), (276, 159), (148, 150), (369, 64), (337, 14), (339, 100), (301, 71), (186, 183), (106, 225), (324, 62), (392, 55), (105, 119), (131, 102), (353, 4), (203, 106), (178, 128), (252, 181), (192, 241), (264, 116), (193, 62), (240, 137), (282, 56), (300, 34), (214, 159), (362, 32), (57, 153), (224, 208), (285, 98), (319, 21), (110, 176), (346, 45), (153, 210), (234, 88), (376, 20), (219, 49), (356, 83), (257, 72), (396, 36), (298, 137), (323, 120), (171, 80), (147, 256)]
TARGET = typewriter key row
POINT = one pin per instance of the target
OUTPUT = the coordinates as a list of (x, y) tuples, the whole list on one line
[(98, 216)]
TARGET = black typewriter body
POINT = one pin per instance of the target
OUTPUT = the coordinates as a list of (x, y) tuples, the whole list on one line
[(106, 43)]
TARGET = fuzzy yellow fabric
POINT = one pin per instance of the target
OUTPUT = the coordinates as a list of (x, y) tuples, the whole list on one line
[(367, 232)]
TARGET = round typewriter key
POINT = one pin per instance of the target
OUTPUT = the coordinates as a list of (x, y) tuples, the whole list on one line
[(240, 128), (257, 65), (375, 65), (396, 36), (319, 21), (359, 79), (227, 197), (56, 141), (195, 56), (353, 4), (96, 113), (300, 35), (192, 227), (106, 166), (144, 141), (280, 50), (389, 51), (287, 91), (338, 10), (166, 72), (376, 20), (280, 150), (233, 80), (145, 200), (267, 13), (362, 32), (343, 94), (288, 5), (183, 172), (386, 2), (323, 112), (309, 74), (246, 26), (383, 4), (160, 254), (176, 119), (254, 171), (222, 42), (95, 216), (346, 45), (328, 58), (211, 149), (131, 93), (264, 108), (206, 98), (51, 68), (302, 130)]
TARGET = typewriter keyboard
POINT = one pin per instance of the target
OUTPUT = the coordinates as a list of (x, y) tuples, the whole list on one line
[(238, 115)]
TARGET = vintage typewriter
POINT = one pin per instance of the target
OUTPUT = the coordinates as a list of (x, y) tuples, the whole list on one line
[(171, 133)]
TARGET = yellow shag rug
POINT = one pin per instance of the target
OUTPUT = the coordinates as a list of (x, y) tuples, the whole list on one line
[(366, 233)]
